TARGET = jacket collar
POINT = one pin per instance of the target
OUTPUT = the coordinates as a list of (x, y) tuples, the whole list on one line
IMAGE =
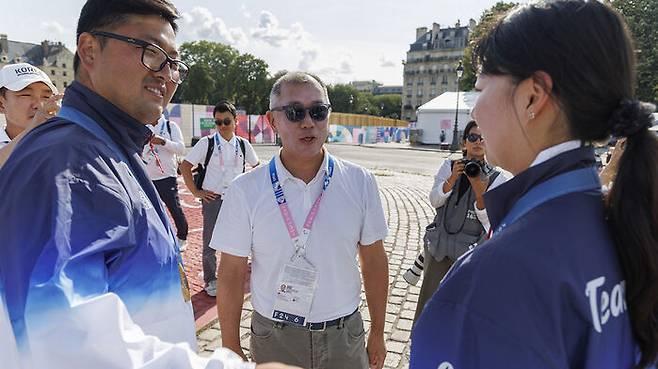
[(501, 199), (125, 130)]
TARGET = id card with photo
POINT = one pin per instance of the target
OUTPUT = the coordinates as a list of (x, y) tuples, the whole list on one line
[(295, 291)]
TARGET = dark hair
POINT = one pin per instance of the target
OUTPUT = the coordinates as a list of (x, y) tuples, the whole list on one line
[(3, 91), (587, 50), (97, 14), (224, 107), (467, 130)]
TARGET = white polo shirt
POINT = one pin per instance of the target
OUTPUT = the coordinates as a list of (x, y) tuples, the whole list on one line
[(167, 153), (219, 175), (4, 138), (250, 223)]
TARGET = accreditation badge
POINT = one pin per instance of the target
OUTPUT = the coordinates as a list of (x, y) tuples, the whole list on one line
[(295, 291)]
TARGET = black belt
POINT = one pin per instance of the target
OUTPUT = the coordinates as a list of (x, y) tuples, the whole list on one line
[(322, 325)]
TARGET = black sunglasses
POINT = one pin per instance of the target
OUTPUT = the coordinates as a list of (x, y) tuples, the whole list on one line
[(226, 121), (154, 58), (472, 137), (297, 112)]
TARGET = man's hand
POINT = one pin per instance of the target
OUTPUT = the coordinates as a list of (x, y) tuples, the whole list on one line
[(46, 110), (276, 366), (376, 350), (158, 140), (204, 195)]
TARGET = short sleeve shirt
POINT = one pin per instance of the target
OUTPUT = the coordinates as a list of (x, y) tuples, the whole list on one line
[(350, 214)]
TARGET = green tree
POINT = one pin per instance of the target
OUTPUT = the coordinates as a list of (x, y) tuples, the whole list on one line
[(197, 87), (344, 98), (220, 72), (642, 16), (389, 105), (487, 21)]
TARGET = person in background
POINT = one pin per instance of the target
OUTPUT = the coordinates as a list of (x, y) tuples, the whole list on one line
[(27, 99), (223, 155), (461, 220), (568, 279), (161, 157)]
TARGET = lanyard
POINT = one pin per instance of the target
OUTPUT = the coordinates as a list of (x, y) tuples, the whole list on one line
[(299, 241), (580, 180), (219, 151), (154, 152)]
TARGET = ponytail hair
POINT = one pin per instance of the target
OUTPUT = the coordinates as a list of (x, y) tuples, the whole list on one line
[(586, 48), (633, 220)]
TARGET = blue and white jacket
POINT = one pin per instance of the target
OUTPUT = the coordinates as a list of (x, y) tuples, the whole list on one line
[(545, 292), (90, 274)]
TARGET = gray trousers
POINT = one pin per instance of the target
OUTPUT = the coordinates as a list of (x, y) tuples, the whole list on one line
[(340, 346), (210, 210), (433, 273)]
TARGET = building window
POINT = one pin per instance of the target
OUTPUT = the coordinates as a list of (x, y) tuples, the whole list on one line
[(63, 65), (64, 73), (66, 85), (52, 72), (54, 83), (444, 79)]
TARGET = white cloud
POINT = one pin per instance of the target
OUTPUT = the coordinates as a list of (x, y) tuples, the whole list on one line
[(308, 59), (269, 32), (200, 23), (386, 63), (245, 12), (55, 31)]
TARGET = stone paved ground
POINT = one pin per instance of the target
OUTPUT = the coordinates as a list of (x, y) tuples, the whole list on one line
[(404, 198)]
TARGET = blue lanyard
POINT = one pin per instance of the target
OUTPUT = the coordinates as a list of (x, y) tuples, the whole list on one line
[(276, 185), (579, 180)]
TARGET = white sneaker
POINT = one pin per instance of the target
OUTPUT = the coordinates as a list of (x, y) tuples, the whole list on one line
[(182, 245), (211, 288)]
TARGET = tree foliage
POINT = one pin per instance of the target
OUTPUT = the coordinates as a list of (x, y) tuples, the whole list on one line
[(487, 20), (642, 19), (220, 72), (346, 99)]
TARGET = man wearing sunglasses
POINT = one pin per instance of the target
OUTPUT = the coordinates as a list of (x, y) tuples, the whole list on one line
[(303, 219), (224, 156), (90, 273)]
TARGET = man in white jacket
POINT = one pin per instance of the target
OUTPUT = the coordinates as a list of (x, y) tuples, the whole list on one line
[(160, 156)]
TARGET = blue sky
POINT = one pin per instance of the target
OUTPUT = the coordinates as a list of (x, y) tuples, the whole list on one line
[(339, 40)]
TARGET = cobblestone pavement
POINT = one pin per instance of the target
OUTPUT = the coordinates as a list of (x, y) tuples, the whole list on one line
[(405, 202)]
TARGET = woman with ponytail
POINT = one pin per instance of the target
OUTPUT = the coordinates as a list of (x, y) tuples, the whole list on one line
[(569, 277)]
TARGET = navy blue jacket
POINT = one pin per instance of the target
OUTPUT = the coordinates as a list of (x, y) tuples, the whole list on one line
[(87, 249), (547, 292)]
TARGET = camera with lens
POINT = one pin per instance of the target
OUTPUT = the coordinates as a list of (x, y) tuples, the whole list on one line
[(474, 168)]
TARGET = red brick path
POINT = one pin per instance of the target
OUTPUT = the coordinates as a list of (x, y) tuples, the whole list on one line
[(205, 310)]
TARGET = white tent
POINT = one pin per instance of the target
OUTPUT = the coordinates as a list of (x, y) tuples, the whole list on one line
[(438, 115)]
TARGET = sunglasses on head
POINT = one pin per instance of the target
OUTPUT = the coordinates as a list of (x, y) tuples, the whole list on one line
[(226, 121), (297, 112), (472, 137)]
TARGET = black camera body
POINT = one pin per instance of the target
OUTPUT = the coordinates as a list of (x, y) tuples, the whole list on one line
[(474, 168)]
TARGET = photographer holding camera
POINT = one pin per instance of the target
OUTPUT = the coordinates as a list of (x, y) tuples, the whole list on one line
[(461, 218)]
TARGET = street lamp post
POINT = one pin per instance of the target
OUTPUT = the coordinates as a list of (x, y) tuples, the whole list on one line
[(455, 133)]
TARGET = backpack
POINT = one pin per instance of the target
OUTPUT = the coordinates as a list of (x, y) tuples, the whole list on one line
[(199, 173)]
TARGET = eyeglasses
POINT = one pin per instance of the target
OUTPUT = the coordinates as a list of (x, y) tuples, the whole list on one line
[(472, 137), (154, 58), (226, 121), (297, 112)]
